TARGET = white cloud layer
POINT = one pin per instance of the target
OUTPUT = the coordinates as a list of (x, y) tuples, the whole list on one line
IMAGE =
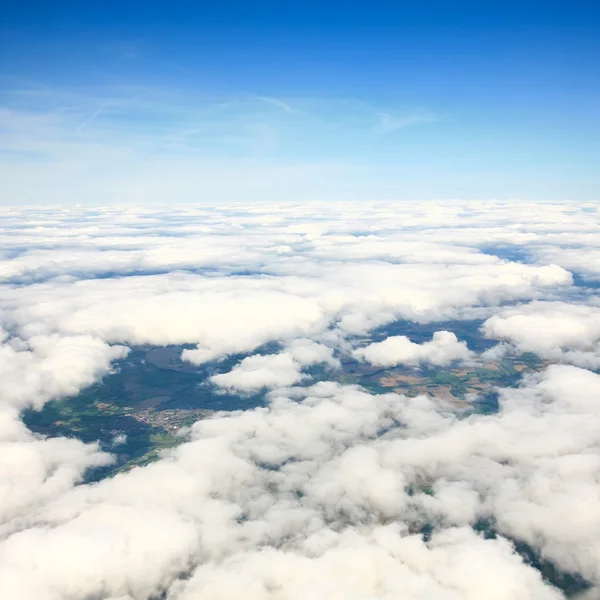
[(323, 492)]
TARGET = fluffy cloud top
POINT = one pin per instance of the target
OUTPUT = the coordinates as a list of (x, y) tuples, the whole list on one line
[(554, 330), (293, 498), (327, 491), (275, 370), (443, 349)]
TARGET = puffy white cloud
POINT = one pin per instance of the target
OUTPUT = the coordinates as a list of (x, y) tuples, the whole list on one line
[(275, 370), (554, 330), (584, 259), (456, 564), (257, 372), (443, 349), (307, 352), (34, 470), (51, 366), (32, 372)]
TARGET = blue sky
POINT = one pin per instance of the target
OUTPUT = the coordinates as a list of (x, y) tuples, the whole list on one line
[(133, 102)]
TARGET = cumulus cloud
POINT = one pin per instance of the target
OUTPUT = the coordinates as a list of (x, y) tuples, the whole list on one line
[(257, 372), (31, 373), (50, 366), (33, 470), (443, 349), (584, 259), (326, 491), (275, 370), (553, 330)]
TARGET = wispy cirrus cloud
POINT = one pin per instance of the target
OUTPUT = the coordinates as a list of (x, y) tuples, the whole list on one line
[(106, 144), (284, 106), (389, 122)]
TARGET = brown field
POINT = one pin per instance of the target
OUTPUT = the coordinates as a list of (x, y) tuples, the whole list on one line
[(491, 366), (393, 380)]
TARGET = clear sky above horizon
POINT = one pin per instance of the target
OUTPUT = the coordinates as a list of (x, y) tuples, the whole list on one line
[(169, 102)]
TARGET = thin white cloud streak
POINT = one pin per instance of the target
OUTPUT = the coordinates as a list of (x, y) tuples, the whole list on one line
[(175, 145), (284, 106), (389, 122), (150, 145)]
